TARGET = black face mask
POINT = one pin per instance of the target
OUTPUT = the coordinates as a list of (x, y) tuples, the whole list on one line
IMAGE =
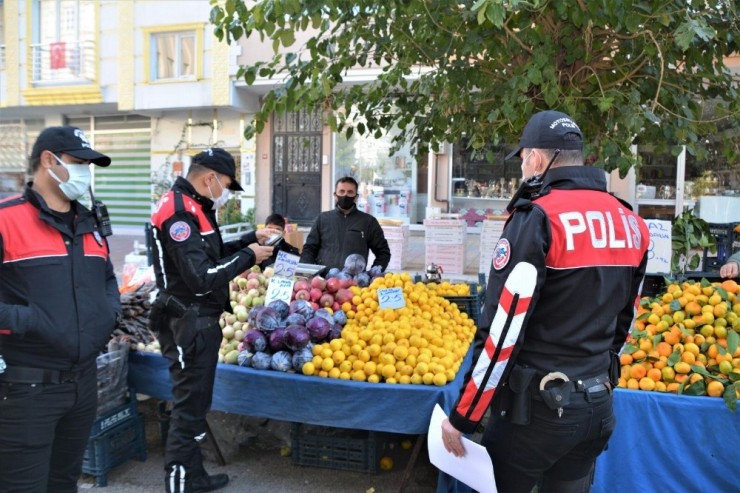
[(345, 202)]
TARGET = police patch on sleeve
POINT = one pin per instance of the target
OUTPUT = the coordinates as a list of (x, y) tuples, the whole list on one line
[(501, 254), (180, 231)]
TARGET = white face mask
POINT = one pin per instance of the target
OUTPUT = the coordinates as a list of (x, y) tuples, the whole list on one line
[(221, 200), (78, 182)]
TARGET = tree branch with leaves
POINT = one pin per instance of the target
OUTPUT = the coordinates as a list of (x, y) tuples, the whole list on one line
[(624, 70)]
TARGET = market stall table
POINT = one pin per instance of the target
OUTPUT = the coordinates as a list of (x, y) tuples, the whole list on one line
[(311, 400), (663, 442), (672, 443), (404, 409)]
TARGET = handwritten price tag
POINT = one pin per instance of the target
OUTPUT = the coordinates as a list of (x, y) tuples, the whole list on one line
[(285, 264), (391, 298), (660, 248), (279, 288)]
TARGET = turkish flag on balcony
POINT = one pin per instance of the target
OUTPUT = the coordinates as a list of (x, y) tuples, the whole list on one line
[(58, 55)]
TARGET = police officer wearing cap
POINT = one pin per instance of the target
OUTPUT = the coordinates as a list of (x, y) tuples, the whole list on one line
[(193, 267), (548, 365), (59, 303)]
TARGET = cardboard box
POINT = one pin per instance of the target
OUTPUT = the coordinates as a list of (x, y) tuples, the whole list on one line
[(295, 238)]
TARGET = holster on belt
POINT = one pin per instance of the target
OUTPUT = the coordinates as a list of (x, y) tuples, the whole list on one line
[(183, 319), (156, 316), (520, 385), (614, 368)]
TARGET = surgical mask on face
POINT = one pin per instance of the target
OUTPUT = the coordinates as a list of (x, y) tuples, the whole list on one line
[(524, 161), (221, 200), (78, 182), (345, 201)]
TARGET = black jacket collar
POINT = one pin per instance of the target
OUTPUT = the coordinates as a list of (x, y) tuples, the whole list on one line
[(184, 186), (574, 177)]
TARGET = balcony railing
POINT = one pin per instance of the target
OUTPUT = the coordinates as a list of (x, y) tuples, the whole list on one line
[(63, 62)]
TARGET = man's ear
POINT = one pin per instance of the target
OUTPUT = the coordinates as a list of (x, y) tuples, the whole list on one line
[(47, 159)]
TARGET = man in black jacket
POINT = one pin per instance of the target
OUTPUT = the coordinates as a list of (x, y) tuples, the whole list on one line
[(193, 268), (343, 231), (59, 303)]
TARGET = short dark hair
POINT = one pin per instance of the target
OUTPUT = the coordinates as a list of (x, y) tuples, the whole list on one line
[(33, 164), (276, 220), (197, 169), (347, 179)]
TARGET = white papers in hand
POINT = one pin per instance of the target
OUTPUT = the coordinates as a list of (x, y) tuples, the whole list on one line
[(474, 469)]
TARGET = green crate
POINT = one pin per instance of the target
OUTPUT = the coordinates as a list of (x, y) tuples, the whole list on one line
[(335, 448), (115, 446)]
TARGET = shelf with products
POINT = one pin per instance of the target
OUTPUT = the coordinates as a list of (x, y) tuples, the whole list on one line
[(483, 175)]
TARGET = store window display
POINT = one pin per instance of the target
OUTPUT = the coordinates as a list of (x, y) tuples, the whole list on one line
[(483, 181), (387, 182)]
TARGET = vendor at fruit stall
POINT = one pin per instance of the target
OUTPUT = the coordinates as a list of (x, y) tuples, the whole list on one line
[(732, 267), (338, 233), (277, 223), (193, 268), (560, 300)]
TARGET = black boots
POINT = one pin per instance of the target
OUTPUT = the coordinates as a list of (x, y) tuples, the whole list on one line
[(178, 481), (208, 483)]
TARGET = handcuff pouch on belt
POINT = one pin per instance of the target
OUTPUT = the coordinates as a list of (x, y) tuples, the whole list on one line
[(520, 386), (556, 395)]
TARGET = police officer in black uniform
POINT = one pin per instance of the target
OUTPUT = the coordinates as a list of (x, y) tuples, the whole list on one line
[(551, 409), (193, 267), (59, 303)]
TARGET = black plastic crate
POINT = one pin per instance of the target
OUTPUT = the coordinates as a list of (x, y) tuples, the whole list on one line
[(114, 447), (653, 285), (335, 448), (728, 242), (469, 304), (113, 417), (473, 304)]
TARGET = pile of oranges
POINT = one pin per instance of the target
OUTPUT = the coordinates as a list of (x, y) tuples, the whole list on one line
[(686, 340), (423, 342)]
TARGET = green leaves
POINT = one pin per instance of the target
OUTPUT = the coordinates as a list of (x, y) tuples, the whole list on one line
[(691, 29), (689, 234), (622, 70)]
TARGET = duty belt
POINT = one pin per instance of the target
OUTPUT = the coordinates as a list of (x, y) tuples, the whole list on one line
[(588, 385), (26, 375)]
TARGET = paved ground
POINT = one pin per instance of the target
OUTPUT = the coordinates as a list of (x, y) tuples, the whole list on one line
[(252, 447), (256, 464)]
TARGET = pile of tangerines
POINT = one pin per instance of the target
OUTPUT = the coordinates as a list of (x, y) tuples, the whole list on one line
[(686, 341)]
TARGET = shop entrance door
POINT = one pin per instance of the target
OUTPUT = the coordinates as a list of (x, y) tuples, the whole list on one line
[(296, 166)]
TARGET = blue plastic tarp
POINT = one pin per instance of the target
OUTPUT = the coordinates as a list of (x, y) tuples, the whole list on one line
[(317, 401)]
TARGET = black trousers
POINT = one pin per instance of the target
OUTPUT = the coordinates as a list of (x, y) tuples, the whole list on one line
[(44, 431), (192, 371), (555, 453)]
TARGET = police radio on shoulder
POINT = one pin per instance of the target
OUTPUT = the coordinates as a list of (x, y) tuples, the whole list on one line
[(101, 216)]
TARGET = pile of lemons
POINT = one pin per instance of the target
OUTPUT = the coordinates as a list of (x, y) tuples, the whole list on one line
[(446, 288), (423, 342), (686, 340)]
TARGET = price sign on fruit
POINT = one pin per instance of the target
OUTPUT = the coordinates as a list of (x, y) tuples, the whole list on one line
[(286, 264), (279, 289), (391, 298)]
